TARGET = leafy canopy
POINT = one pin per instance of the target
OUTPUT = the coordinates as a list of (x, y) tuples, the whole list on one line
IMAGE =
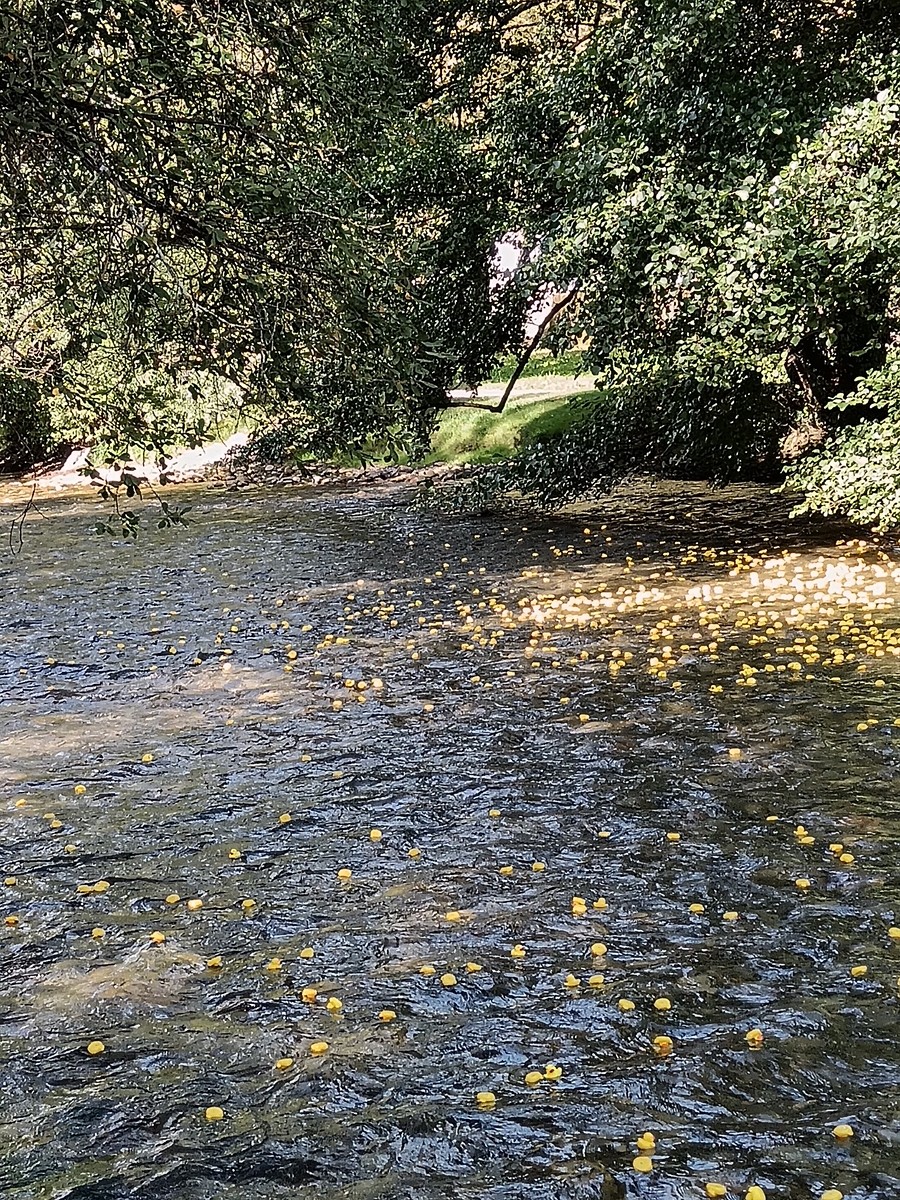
[(290, 203), (289, 210)]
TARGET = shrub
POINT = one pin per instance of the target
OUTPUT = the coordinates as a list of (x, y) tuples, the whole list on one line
[(660, 424)]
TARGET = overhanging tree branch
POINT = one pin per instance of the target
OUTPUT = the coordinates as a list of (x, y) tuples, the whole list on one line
[(525, 355)]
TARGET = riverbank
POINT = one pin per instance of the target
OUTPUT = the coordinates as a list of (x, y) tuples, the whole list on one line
[(463, 436)]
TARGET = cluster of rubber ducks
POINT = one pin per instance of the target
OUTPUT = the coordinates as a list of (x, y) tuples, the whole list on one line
[(774, 620), (771, 620), (486, 1101), (798, 619)]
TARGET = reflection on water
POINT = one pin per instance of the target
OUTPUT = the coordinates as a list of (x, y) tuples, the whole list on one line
[(568, 732)]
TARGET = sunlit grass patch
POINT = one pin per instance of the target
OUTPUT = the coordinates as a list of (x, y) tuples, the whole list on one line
[(473, 435)]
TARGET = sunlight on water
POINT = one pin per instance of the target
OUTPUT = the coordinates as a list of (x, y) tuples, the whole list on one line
[(354, 853)]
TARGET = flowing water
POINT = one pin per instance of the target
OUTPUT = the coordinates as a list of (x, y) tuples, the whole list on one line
[(568, 731)]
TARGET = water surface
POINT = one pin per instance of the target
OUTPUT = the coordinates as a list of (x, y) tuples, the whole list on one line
[(491, 694)]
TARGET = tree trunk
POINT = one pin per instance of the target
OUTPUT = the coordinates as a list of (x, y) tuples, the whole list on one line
[(861, 337)]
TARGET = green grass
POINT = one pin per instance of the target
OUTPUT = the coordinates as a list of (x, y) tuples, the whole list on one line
[(468, 435), (472, 435), (541, 363)]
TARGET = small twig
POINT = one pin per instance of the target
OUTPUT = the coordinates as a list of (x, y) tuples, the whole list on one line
[(16, 538)]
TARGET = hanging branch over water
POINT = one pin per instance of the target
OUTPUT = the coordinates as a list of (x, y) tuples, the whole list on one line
[(16, 537)]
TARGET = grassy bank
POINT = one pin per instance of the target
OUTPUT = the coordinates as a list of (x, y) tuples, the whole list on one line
[(541, 405), (472, 435)]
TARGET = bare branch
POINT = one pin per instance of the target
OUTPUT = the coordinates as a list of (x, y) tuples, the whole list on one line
[(526, 354)]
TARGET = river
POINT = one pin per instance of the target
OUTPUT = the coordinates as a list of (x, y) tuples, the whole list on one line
[(622, 782)]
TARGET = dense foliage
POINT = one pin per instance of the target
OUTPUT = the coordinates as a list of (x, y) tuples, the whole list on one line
[(273, 202), (289, 211), (722, 176)]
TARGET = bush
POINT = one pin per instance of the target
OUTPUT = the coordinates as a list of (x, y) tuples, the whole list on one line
[(26, 434), (856, 473), (661, 424)]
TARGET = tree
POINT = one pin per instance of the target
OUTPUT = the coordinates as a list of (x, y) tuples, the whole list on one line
[(294, 202), (291, 208), (721, 175)]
